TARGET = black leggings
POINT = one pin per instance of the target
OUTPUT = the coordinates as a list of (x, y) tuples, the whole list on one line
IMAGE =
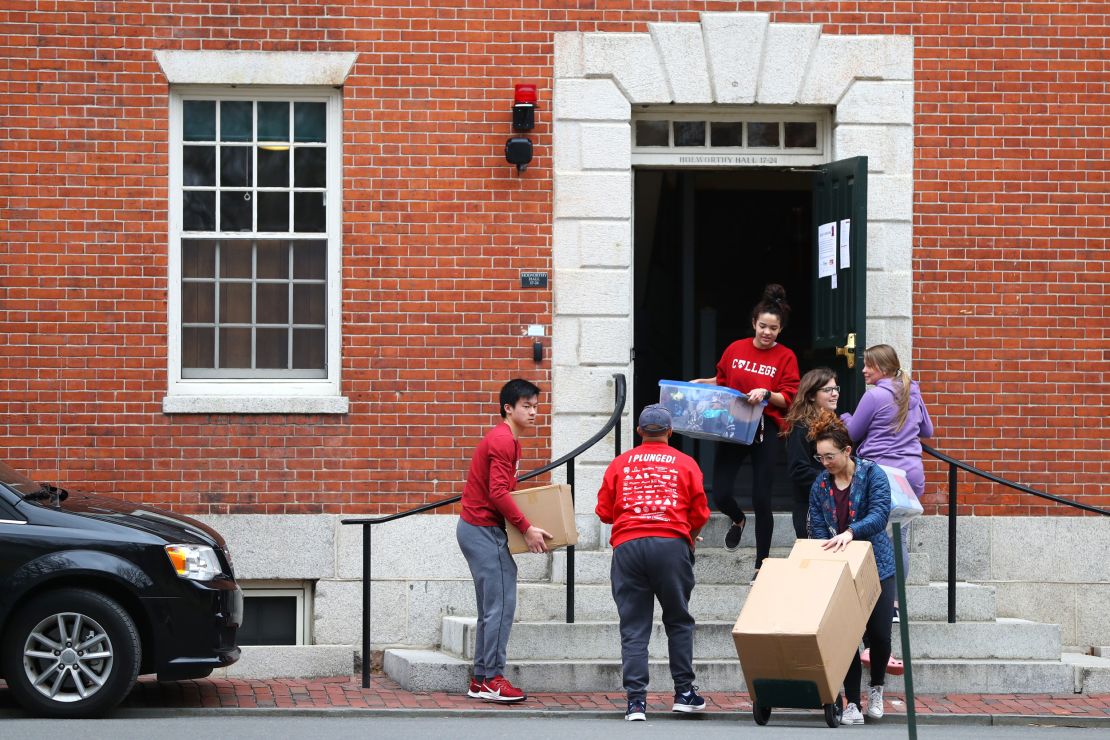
[(765, 456), (877, 637)]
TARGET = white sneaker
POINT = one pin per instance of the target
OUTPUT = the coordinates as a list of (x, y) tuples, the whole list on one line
[(851, 716), (875, 703)]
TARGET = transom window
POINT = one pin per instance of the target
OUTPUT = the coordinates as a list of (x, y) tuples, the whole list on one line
[(254, 201), (723, 137)]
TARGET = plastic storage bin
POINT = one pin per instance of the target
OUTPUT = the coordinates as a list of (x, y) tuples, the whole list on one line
[(710, 411)]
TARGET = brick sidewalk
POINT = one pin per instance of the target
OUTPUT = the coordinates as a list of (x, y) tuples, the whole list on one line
[(384, 693)]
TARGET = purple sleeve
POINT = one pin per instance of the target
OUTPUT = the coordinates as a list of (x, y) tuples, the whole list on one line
[(926, 430), (859, 423)]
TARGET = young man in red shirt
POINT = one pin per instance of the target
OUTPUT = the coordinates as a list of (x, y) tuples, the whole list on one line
[(486, 505), (654, 498)]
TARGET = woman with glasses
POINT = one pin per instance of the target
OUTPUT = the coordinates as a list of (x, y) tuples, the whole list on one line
[(817, 392), (850, 500), (890, 421), (765, 371)]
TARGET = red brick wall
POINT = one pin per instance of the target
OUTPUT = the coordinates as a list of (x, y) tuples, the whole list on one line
[(1010, 251)]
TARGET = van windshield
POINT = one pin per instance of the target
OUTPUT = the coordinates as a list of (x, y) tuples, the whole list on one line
[(21, 484)]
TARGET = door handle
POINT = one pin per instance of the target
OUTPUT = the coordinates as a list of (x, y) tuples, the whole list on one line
[(848, 351)]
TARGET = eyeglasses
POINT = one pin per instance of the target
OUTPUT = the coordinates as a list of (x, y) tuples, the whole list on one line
[(830, 389), (828, 458)]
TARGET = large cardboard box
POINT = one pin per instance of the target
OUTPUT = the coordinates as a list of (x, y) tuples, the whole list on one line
[(549, 508), (860, 558), (801, 622)]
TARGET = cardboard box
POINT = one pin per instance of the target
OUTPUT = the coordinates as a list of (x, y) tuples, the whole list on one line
[(549, 508), (861, 563), (801, 622), (713, 412)]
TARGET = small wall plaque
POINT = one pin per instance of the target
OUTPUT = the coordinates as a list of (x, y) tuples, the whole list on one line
[(533, 279)]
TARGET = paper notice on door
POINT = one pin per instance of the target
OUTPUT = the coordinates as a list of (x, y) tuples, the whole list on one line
[(826, 249), (833, 282), (845, 253)]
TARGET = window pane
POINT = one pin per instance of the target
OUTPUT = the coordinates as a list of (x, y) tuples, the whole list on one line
[(268, 620), (273, 167), (198, 165), (235, 303), (235, 259), (309, 260), (273, 348), (235, 120), (308, 304), (198, 258), (273, 260), (273, 121), (198, 304), (198, 347), (235, 348), (308, 212), (308, 349), (689, 133), (235, 166), (309, 167), (199, 120), (801, 134), (272, 303), (763, 134), (273, 211), (235, 211), (310, 122), (728, 133), (198, 210), (652, 133)]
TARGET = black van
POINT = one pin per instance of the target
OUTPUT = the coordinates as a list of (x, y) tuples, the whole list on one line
[(95, 591)]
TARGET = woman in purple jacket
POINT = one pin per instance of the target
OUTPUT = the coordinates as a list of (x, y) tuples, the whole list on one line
[(890, 421)]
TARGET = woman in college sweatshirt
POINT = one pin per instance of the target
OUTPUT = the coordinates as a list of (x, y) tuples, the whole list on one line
[(766, 371)]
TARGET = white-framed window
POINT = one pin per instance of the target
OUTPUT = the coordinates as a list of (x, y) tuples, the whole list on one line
[(730, 136), (254, 250), (275, 613)]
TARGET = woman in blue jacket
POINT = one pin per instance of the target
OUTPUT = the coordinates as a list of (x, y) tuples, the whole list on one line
[(849, 501)]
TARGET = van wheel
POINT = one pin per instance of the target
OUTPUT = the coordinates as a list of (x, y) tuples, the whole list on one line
[(71, 653)]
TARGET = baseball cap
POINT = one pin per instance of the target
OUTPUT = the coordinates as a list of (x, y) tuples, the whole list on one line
[(655, 418)]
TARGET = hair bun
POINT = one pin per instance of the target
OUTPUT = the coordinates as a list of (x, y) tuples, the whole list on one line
[(826, 421), (775, 293)]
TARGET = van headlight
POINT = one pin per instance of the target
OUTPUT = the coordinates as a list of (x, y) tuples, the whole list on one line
[(195, 562)]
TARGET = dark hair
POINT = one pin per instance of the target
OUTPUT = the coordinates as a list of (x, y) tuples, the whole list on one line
[(804, 409), (514, 390), (829, 428), (773, 302)]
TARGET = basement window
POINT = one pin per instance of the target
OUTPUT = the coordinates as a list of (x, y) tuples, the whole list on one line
[(275, 615)]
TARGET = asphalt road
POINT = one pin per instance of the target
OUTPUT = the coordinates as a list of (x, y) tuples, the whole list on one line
[(497, 728)]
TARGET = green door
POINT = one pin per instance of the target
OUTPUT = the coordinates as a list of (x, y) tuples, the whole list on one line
[(840, 264)]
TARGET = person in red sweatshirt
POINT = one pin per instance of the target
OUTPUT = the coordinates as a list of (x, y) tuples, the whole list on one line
[(654, 498), (486, 505), (766, 371)]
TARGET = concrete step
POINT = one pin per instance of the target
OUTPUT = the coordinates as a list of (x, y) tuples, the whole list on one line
[(1004, 639), (593, 602), (713, 533), (423, 670), (1092, 672), (929, 603), (585, 640), (712, 565)]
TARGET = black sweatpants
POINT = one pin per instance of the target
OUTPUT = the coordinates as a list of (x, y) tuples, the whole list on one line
[(878, 640), (764, 456), (642, 571)]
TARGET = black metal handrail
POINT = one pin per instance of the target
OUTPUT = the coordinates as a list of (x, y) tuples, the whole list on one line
[(614, 423), (954, 466)]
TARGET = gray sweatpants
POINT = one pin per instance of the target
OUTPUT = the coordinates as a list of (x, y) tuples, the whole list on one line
[(494, 571), (643, 570)]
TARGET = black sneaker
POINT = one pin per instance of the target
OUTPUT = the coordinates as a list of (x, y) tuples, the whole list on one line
[(688, 702), (895, 617), (734, 533), (637, 711)]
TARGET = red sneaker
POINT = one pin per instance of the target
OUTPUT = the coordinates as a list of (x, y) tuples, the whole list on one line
[(499, 689), (894, 666), (475, 690)]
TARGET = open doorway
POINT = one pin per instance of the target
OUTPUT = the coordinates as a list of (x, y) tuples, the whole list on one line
[(706, 243)]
